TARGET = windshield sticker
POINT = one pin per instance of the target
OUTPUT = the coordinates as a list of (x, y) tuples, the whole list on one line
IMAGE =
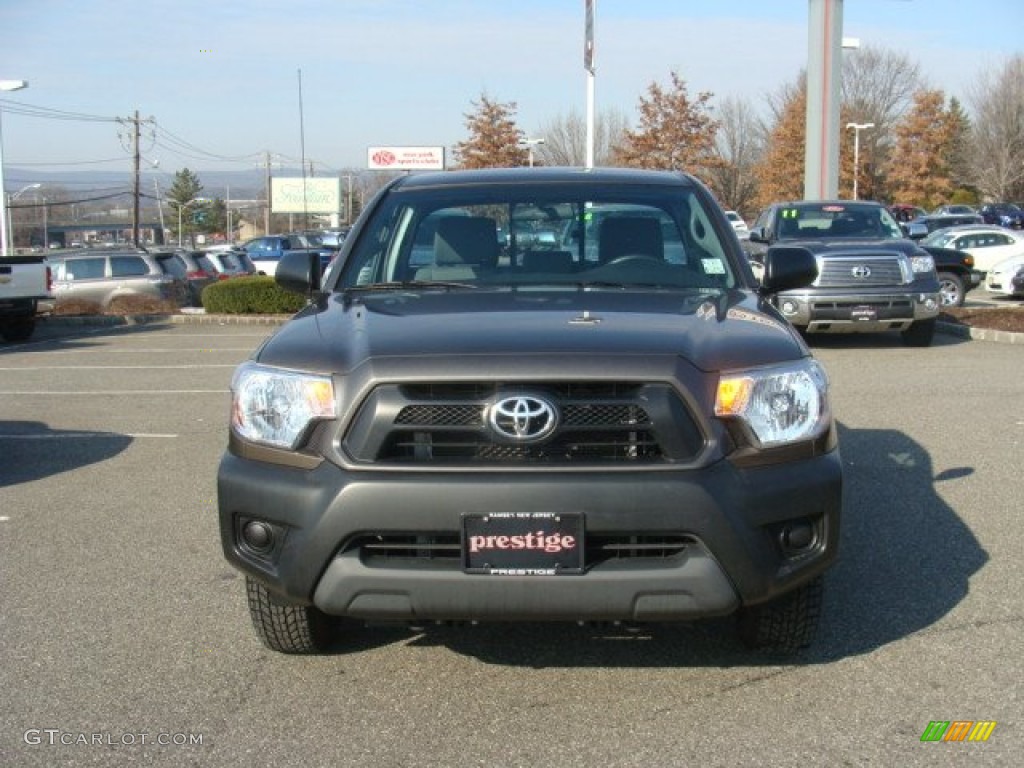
[(833, 208), (713, 266), (790, 213)]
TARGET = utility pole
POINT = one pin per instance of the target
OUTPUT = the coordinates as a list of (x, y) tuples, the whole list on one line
[(266, 209), (136, 153), (136, 159)]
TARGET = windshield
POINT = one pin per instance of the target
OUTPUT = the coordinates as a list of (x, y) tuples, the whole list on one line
[(824, 221), (515, 235)]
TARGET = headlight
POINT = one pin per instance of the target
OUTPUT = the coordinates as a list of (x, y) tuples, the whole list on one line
[(275, 406), (784, 404), (922, 264)]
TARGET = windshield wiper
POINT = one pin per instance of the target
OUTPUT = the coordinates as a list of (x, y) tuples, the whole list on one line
[(407, 285)]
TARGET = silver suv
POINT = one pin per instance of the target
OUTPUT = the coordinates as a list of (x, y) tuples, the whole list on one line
[(110, 278)]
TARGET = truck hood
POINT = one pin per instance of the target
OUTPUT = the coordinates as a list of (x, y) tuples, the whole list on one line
[(713, 332), (824, 247)]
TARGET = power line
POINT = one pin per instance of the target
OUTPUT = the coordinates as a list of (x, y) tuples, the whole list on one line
[(30, 110)]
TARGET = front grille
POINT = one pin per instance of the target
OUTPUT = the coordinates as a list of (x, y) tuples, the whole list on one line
[(880, 271), (599, 423), (444, 550)]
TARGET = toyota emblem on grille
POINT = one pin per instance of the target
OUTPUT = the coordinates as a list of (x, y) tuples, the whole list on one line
[(523, 418), (861, 271)]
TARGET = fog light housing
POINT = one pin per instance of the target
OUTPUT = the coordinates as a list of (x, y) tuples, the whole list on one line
[(797, 537), (258, 536), (788, 308), (930, 303)]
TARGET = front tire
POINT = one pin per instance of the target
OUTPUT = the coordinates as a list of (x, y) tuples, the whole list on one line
[(951, 290), (920, 334), (786, 624), (286, 628)]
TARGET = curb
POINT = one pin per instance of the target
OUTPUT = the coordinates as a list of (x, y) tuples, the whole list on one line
[(70, 321), (980, 334)]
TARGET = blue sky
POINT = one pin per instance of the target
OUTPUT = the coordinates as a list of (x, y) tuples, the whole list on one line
[(221, 78)]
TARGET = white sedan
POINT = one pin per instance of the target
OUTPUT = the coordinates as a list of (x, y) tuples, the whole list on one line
[(999, 279), (738, 224), (988, 244)]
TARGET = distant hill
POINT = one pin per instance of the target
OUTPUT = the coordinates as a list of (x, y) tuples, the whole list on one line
[(238, 185)]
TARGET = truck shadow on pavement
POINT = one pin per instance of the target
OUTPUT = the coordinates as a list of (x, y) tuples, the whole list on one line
[(33, 451), (906, 559)]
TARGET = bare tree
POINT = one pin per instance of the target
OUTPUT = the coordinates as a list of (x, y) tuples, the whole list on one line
[(739, 147), (565, 138), (998, 102), (878, 86)]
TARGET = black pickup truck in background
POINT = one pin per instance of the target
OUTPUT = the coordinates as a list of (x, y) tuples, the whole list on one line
[(871, 277), (957, 275), (26, 290)]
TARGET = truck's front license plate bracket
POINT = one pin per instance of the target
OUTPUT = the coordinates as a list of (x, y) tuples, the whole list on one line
[(523, 543)]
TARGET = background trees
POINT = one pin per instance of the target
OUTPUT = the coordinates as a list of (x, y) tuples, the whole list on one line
[(922, 149), (494, 139), (997, 162), (919, 168), (675, 132)]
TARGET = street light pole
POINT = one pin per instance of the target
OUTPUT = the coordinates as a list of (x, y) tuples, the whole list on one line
[(530, 144), (5, 85), (857, 128), (180, 206), (8, 222)]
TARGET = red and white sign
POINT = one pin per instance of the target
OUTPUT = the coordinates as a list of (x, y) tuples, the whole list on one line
[(405, 158)]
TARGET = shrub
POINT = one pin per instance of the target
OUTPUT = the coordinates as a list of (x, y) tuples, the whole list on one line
[(258, 295)]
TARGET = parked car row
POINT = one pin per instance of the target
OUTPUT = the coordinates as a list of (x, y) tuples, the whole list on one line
[(109, 278)]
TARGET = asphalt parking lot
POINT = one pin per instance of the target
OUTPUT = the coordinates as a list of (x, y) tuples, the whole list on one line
[(126, 639)]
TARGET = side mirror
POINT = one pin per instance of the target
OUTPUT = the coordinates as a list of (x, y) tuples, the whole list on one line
[(915, 230), (758, 235), (787, 267), (299, 272)]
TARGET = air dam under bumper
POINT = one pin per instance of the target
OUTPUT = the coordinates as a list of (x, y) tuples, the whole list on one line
[(697, 586)]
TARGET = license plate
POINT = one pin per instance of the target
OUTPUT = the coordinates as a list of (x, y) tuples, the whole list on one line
[(523, 543), (863, 314)]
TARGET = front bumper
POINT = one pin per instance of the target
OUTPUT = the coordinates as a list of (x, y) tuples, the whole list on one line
[(724, 530), (838, 312)]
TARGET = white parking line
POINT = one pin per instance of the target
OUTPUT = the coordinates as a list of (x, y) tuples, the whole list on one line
[(116, 367), (88, 436), (94, 392)]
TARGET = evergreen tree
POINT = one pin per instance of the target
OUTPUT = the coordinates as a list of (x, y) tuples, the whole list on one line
[(181, 196)]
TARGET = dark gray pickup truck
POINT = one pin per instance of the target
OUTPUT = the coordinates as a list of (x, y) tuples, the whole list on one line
[(871, 277), (604, 421)]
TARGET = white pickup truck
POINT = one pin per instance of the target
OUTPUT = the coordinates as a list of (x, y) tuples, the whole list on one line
[(26, 290)]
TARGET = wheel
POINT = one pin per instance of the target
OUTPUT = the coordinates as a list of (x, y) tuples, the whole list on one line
[(919, 334), (286, 628), (20, 329), (951, 290), (786, 624)]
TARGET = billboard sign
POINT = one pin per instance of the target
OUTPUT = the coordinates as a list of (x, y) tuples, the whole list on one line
[(405, 158), (321, 195)]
